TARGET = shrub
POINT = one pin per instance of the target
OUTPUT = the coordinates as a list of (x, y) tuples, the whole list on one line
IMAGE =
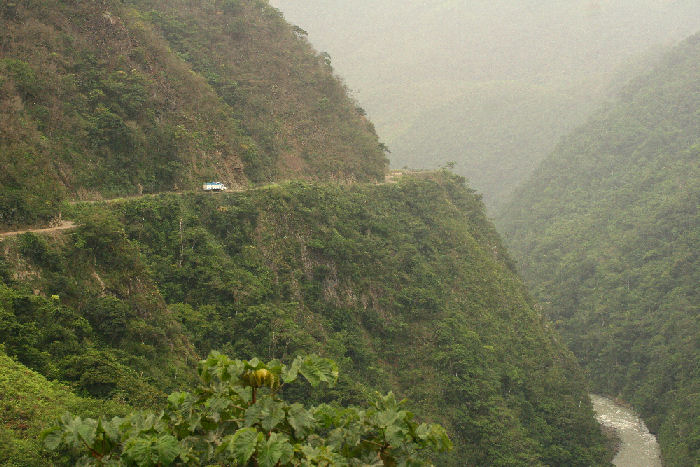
[(237, 417)]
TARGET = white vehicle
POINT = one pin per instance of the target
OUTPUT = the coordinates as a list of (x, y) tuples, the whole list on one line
[(214, 186)]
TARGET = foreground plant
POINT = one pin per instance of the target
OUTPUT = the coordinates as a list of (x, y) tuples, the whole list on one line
[(237, 417)]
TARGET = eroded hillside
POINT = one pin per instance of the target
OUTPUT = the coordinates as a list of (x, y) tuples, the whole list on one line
[(107, 98)]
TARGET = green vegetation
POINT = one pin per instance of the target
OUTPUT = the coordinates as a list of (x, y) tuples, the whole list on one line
[(608, 231), (236, 417), (99, 99), (405, 285), (82, 310), (29, 404)]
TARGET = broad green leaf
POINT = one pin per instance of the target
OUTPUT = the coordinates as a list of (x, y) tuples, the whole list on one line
[(316, 370), (147, 422), (140, 451), (300, 420), (434, 436), (219, 367), (322, 456), (111, 429), (275, 367), (234, 370), (290, 373), (265, 411), (275, 449), (245, 393), (240, 446), (87, 431), (53, 437), (167, 449), (388, 402), (254, 363), (107, 436), (199, 419), (177, 399), (78, 432), (394, 435), (194, 423), (151, 451), (388, 417), (423, 431), (216, 406)]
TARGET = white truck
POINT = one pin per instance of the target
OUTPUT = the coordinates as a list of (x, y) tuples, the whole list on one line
[(214, 186)]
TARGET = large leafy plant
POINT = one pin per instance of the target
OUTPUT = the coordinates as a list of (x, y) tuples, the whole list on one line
[(237, 417)]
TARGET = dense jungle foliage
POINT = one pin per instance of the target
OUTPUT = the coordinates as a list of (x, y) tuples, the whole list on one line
[(608, 233), (111, 97), (236, 416), (407, 286)]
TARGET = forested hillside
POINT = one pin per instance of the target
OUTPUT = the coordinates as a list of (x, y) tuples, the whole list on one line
[(406, 285), (111, 97), (608, 234)]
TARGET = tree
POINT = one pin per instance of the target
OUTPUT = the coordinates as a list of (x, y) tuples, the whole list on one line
[(237, 417)]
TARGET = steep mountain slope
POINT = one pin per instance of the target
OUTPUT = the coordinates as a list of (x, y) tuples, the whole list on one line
[(406, 285), (608, 233), (110, 97), (82, 308)]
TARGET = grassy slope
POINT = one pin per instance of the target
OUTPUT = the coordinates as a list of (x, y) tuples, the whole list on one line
[(28, 404), (607, 231), (108, 98)]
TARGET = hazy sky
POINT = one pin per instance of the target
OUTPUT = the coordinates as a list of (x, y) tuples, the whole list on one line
[(376, 42), (410, 60)]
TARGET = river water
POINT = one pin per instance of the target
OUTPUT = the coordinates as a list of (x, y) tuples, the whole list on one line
[(638, 447)]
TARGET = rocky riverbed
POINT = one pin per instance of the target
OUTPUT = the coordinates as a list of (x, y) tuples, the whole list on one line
[(638, 447)]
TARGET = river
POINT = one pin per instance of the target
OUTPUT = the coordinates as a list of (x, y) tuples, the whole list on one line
[(638, 447)]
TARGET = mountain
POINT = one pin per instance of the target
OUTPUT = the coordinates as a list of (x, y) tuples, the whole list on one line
[(489, 84), (107, 98), (406, 285), (608, 233), (113, 113)]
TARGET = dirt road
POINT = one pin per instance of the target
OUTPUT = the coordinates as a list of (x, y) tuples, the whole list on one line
[(65, 225), (391, 177)]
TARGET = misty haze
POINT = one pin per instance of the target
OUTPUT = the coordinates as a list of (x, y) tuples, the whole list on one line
[(491, 85)]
